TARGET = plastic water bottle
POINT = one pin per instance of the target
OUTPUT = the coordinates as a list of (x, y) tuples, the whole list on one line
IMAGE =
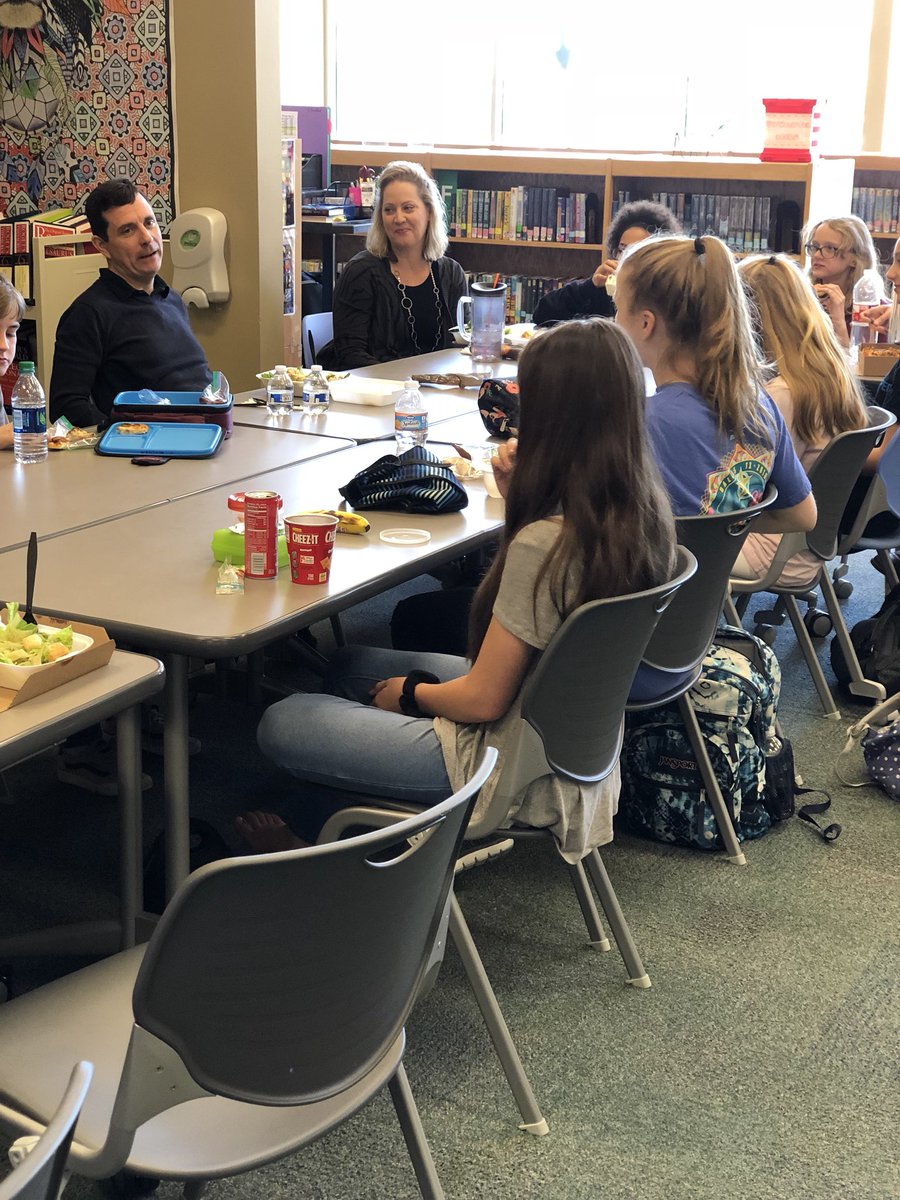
[(410, 418), (279, 393), (315, 391), (867, 292), (29, 417)]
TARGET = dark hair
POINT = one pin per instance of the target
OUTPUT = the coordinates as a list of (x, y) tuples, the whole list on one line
[(114, 193), (641, 214), (584, 455)]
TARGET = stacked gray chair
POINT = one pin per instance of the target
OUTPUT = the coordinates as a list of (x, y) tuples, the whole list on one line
[(832, 477), (267, 1008), (686, 631), (39, 1175)]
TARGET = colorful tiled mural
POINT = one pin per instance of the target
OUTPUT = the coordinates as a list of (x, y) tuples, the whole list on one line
[(84, 96)]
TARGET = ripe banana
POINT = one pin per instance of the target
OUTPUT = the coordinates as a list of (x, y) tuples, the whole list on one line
[(348, 522)]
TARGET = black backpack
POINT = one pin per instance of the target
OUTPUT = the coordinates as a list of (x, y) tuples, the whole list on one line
[(877, 644)]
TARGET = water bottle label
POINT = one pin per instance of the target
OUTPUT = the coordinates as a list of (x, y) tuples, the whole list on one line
[(411, 422), (316, 397), (29, 420)]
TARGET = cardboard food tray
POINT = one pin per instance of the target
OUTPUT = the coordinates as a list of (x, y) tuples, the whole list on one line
[(64, 669), (876, 361), (168, 441), (183, 408), (380, 392)]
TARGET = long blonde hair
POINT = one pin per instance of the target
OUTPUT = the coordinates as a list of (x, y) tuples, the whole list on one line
[(400, 171), (692, 285), (798, 338), (855, 240)]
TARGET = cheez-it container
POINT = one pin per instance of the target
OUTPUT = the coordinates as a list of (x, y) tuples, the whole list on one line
[(261, 535)]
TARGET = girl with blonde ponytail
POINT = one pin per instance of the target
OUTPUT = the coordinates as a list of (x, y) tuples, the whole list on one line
[(718, 438)]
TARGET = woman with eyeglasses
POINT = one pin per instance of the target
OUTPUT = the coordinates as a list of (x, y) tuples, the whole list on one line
[(840, 250), (590, 297)]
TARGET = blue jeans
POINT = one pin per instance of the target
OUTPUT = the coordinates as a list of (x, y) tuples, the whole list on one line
[(344, 749)]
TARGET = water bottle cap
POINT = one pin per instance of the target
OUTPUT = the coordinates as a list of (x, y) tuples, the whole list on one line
[(281, 367), (26, 368), (315, 367)]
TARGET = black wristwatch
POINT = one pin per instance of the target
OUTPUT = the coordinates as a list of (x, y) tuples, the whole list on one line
[(408, 705)]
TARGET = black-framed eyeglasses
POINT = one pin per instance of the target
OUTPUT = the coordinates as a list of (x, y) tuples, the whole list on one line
[(826, 251)]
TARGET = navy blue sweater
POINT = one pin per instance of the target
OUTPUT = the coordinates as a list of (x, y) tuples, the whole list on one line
[(115, 338)]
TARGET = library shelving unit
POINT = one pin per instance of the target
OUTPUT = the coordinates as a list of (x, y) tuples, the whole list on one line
[(291, 190), (881, 176), (824, 185)]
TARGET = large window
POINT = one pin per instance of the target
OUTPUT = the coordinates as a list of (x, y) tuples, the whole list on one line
[(591, 75)]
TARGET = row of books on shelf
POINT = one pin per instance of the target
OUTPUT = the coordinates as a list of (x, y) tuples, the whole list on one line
[(743, 222), (523, 293), (879, 207), (522, 214), (17, 236)]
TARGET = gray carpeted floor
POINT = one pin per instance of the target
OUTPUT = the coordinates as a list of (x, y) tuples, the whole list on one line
[(763, 1063)]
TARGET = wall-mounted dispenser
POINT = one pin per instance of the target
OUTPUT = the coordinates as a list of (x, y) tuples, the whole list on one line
[(197, 247)]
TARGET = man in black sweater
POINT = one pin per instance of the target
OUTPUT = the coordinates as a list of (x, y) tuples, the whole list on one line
[(128, 330)]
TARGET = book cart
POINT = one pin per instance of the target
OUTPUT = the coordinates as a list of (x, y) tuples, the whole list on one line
[(539, 219)]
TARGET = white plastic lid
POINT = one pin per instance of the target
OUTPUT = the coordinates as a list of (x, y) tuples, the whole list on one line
[(405, 537), (315, 367)]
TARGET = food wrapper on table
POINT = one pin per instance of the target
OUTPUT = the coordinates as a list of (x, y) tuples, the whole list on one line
[(35, 682)]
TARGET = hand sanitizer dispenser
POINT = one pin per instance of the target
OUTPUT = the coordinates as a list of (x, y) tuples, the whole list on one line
[(197, 247)]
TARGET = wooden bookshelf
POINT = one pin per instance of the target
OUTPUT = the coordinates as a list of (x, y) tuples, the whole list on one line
[(879, 172), (821, 186)]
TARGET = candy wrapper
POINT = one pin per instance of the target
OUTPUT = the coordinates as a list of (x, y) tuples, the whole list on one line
[(66, 436)]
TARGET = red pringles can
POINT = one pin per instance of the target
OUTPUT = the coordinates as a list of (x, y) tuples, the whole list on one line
[(261, 534)]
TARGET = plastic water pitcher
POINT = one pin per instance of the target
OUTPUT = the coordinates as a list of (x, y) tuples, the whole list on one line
[(488, 316)]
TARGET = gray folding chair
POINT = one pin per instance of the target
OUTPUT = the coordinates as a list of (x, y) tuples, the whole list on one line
[(316, 331), (832, 477), (267, 1008), (571, 726), (39, 1175), (686, 631), (881, 500)]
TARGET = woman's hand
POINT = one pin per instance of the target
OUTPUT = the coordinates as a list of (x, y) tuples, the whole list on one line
[(834, 302), (603, 272), (386, 693), (503, 463), (6, 436), (878, 316)]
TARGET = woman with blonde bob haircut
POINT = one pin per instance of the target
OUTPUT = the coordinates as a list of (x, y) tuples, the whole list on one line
[(397, 297), (840, 250), (811, 383), (718, 438)]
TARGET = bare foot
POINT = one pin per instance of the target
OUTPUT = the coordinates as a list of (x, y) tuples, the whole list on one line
[(266, 833)]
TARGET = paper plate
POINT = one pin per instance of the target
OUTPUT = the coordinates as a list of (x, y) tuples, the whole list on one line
[(405, 537)]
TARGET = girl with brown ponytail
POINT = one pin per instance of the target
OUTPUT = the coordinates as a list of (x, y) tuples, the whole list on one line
[(586, 517)]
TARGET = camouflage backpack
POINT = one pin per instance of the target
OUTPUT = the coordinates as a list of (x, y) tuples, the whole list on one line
[(735, 701)]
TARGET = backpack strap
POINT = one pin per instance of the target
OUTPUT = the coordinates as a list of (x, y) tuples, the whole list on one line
[(828, 833)]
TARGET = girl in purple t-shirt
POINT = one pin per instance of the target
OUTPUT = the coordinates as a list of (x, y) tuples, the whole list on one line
[(718, 438)]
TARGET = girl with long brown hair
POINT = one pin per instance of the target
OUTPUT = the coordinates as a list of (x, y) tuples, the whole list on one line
[(586, 517)]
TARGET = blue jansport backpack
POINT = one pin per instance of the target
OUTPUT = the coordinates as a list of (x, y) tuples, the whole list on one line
[(735, 699)]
